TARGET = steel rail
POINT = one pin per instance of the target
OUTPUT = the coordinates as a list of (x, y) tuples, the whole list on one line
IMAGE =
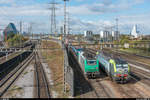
[(27, 61), (44, 78)]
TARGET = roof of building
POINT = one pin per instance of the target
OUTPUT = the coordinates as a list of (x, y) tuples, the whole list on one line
[(11, 28)]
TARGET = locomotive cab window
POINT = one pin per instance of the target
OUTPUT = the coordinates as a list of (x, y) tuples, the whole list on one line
[(118, 65), (91, 62), (125, 65), (121, 65)]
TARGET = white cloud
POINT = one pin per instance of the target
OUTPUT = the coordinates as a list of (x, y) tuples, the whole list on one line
[(35, 10), (79, 0), (6, 1)]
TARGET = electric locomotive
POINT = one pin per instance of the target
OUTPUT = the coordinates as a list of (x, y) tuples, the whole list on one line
[(116, 68), (88, 63)]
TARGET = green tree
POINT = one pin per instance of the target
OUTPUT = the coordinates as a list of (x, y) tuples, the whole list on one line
[(16, 39), (10, 35), (124, 39)]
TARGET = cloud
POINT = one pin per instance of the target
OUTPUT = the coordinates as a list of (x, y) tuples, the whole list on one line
[(126, 24), (79, 0), (38, 12), (6, 1), (104, 6)]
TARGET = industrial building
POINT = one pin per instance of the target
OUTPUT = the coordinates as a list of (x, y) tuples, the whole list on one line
[(88, 36), (107, 36), (88, 33)]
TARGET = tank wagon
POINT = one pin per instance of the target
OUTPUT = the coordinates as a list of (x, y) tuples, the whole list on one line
[(88, 63), (116, 68)]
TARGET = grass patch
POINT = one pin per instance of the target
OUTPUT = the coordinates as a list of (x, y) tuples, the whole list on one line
[(55, 60)]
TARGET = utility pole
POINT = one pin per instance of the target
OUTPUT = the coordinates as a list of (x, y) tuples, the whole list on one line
[(117, 36), (53, 17), (61, 30), (117, 28), (20, 27), (20, 33), (30, 29), (20, 38), (68, 22), (65, 13), (65, 66)]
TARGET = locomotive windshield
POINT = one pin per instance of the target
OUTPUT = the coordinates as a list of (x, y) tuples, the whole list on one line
[(121, 64), (91, 62)]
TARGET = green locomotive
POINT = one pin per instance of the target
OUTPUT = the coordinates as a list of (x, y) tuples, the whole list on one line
[(88, 63)]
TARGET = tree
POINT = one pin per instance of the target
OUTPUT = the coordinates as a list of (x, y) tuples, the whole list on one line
[(10, 35), (15, 39), (124, 39)]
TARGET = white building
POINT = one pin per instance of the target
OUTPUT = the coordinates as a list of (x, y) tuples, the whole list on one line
[(105, 35), (88, 33), (134, 32), (1, 35)]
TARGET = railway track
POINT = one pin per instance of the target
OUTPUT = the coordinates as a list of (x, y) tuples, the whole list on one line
[(141, 74), (99, 89), (41, 79), (16, 47), (127, 53), (132, 62), (140, 60), (13, 53), (136, 76), (6, 83)]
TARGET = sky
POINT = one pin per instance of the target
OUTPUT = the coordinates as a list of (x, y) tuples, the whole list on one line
[(94, 15)]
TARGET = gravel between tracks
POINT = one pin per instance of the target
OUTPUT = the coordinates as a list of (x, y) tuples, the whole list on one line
[(132, 89), (24, 85)]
